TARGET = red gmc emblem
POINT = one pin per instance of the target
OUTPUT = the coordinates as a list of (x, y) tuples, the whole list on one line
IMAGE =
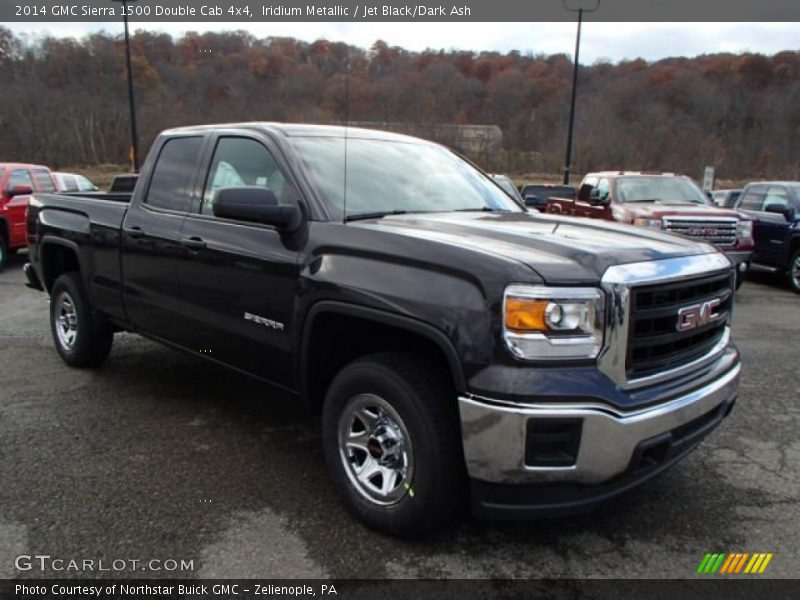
[(692, 317)]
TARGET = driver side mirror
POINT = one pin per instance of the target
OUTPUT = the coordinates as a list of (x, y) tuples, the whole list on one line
[(780, 209), (595, 199), (19, 190), (256, 205)]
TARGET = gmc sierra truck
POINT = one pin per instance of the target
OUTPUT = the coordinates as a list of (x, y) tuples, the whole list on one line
[(461, 351), (664, 201)]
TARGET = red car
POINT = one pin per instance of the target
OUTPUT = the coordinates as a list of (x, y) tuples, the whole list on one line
[(665, 201), (17, 182)]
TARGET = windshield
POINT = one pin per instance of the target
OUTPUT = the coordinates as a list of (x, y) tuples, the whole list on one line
[(385, 177), (508, 185), (665, 190)]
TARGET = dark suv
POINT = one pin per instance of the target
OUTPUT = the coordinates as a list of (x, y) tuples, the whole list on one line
[(775, 207)]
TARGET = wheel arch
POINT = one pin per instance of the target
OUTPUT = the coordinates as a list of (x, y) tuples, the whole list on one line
[(58, 256), (326, 320)]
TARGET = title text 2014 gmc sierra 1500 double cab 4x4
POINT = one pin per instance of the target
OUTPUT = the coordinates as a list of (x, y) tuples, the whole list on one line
[(461, 351)]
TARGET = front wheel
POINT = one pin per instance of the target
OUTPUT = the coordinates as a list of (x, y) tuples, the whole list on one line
[(3, 252), (82, 338), (794, 272), (392, 444)]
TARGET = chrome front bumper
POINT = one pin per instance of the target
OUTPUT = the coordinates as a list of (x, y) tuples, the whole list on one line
[(494, 433)]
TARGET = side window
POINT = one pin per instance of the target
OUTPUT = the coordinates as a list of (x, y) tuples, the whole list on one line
[(241, 162), (19, 177), (753, 199), (43, 180), (70, 185), (777, 196), (603, 189), (84, 184), (171, 180), (588, 185), (592, 181)]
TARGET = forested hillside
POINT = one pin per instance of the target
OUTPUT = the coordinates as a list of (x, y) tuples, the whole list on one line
[(64, 101)]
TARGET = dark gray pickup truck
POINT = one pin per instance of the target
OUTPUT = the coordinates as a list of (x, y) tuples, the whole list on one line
[(462, 352)]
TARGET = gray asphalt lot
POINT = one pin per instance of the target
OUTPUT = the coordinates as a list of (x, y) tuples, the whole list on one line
[(158, 455)]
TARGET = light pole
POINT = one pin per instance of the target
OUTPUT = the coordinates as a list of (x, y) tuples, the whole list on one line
[(131, 97), (594, 4)]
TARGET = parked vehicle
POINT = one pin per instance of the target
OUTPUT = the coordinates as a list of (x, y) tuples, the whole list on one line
[(123, 184), (72, 182), (775, 206), (672, 203), (17, 182), (460, 350), (536, 194), (725, 198)]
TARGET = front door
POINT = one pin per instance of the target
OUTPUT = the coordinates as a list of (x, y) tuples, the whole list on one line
[(237, 278), (774, 227)]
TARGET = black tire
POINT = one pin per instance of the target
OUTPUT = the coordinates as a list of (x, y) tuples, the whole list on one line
[(3, 253), (91, 336), (425, 403), (793, 274)]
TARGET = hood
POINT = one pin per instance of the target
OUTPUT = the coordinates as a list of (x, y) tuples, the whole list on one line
[(654, 210), (561, 250)]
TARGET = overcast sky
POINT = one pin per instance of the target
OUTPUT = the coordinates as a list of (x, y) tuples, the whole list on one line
[(614, 41)]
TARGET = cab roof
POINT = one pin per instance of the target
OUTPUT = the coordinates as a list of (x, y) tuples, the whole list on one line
[(14, 165), (305, 130)]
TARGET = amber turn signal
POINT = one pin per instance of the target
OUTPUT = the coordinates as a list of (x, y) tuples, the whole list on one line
[(524, 314)]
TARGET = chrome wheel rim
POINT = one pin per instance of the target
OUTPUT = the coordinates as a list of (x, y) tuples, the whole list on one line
[(795, 272), (375, 449), (66, 321)]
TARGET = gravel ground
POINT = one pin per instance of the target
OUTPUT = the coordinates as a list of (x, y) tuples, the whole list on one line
[(158, 455)]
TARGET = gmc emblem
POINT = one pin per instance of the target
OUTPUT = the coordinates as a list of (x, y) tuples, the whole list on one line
[(692, 317)]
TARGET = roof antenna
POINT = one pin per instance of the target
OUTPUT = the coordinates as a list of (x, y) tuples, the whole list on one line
[(346, 125)]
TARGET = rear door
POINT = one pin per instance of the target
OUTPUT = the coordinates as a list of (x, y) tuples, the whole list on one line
[(238, 279), (151, 240)]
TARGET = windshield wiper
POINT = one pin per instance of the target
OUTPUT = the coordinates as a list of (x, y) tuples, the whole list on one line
[(481, 209), (375, 215)]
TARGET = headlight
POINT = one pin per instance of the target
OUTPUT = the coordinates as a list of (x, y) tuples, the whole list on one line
[(744, 230), (654, 223), (546, 323)]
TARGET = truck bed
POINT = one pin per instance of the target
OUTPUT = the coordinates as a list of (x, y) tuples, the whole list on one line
[(91, 226)]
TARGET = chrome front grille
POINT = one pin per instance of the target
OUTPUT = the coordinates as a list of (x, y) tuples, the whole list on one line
[(643, 345), (655, 341), (719, 231)]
